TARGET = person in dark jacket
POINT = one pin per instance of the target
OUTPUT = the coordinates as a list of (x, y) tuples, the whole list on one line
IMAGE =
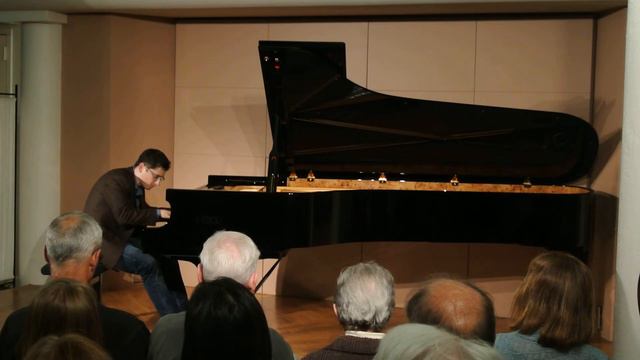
[(117, 202), (363, 303), (72, 249)]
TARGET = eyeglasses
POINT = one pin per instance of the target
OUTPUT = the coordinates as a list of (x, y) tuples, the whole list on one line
[(156, 177)]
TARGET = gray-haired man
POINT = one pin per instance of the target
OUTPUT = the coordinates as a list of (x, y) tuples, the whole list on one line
[(226, 253), (363, 304), (72, 249)]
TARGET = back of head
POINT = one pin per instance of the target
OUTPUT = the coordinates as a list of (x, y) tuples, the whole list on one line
[(364, 297), (224, 320), (230, 254), (153, 158), (556, 299), (457, 306), (62, 306), (72, 236), (425, 342), (66, 347)]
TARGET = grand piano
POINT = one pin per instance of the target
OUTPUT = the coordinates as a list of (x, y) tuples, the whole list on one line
[(349, 164)]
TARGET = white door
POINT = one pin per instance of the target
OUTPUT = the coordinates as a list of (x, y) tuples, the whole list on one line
[(7, 165)]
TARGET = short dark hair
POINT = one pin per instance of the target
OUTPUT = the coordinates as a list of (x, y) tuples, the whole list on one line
[(422, 309), (154, 158), (224, 319)]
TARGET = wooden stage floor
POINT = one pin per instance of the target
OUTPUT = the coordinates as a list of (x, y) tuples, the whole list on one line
[(306, 324)]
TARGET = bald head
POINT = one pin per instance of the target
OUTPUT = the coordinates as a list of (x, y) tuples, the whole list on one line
[(457, 306)]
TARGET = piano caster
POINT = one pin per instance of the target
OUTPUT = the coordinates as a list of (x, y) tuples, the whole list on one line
[(527, 183)]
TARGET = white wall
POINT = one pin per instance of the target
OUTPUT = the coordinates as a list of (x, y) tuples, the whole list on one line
[(627, 316), (7, 152)]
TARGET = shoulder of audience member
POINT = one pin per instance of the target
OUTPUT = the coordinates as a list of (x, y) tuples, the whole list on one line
[(280, 348), (169, 323), (121, 320)]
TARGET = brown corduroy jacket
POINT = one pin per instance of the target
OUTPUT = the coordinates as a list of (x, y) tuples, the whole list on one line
[(112, 202)]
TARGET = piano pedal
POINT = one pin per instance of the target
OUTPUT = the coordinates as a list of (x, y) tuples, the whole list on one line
[(382, 179)]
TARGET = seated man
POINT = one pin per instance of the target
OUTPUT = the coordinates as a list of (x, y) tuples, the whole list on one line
[(72, 249), (425, 342), (117, 202), (364, 302), (225, 254), (457, 306)]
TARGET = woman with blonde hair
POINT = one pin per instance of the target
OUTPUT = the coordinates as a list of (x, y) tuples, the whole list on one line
[(553, 312)]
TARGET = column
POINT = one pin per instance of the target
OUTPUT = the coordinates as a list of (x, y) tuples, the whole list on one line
[(627, 316), (38, 144)]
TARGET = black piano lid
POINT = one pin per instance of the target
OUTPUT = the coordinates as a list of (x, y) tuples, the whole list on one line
[(322, 121)]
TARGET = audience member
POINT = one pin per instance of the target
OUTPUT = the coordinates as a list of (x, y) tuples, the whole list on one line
[(456, 306), (66, 347), (552, 312), (72, 248), (225, 254), (226, 320), (364, 302), (62, 306), (425, 342)]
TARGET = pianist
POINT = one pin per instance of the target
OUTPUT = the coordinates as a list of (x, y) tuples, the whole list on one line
[(117, 202)]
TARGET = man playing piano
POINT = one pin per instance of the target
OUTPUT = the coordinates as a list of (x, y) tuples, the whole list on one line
[(117, 202)]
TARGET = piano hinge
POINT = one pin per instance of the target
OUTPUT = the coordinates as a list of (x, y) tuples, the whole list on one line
[(382, 179), (454, 180), (310, 176), (527, 183), (293, 176)]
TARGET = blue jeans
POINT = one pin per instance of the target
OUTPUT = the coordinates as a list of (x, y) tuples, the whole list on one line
[(166, 300)]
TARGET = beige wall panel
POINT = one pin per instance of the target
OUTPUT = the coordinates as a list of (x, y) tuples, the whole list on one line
[(422, 56), (499, 270), (576, 104), (85, 140), (312, 272), (354, 35), (608, 105), (495, 260), (501, 291), (462, 97), (189, 273), (142, 92), (224, 122), (219, 55), (608, 100), (411, 263), (534, 55), (270, 286), (191, 170)]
